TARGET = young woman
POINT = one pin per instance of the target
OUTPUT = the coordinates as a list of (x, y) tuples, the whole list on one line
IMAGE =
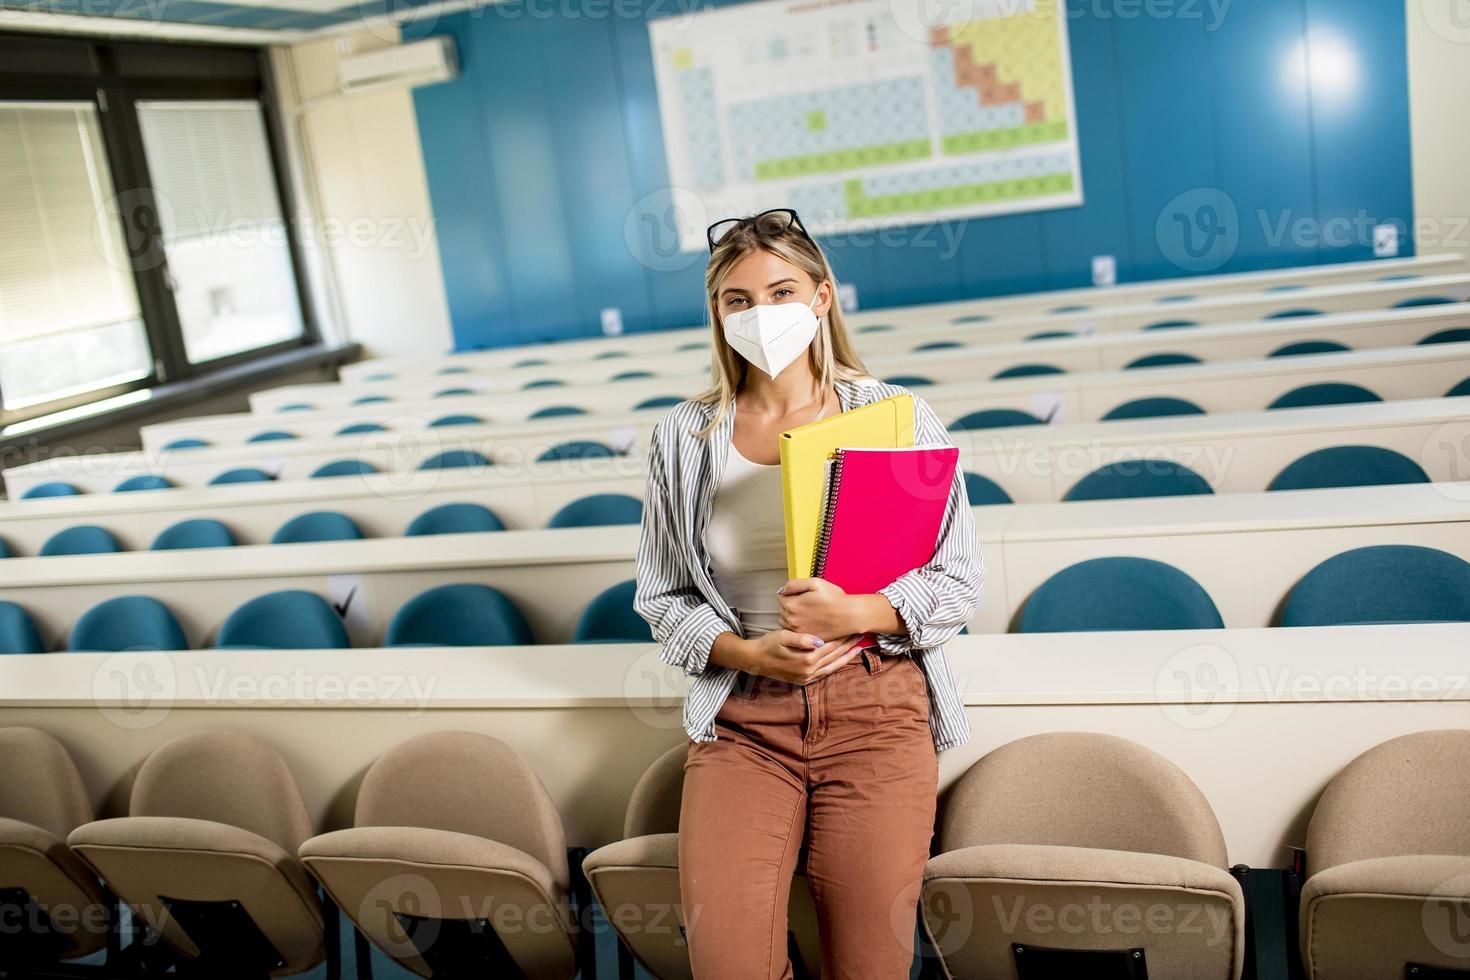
[(799, 738)]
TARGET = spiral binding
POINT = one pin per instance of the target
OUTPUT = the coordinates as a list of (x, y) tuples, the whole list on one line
[(824, 536)]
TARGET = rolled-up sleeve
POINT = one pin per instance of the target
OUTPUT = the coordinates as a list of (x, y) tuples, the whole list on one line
[(665, 593), (936, 600)]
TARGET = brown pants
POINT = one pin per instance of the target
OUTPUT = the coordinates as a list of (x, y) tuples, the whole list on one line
[(845, 763)]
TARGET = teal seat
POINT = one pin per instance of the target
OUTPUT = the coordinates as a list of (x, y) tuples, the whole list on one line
[(245, 474), (1178, 298), (18, 631), (454, 519), (631, 375), (128, 622), (876, 328), (455, 459), (5, 549), (1383, 583), (1462, 388), (604, 355), (971, 318), (50, 490), (557, 411), (1154, 407), (1064, 310), (371, 400), (444, 420), (143, 481), (658, 401), (188, 442), (610, 618), (1452, 335), (575, 449), (453, 392), (1104, 594), (459, 615), (982, 491), (1413, 301), (1026, 371), (453, 369), (1139, 478), (343, 467), (692, 345), (361, 428), (1325, 393), (543, 383), (529, 362), (994, 418), (1293, 313), (384, 376), (197, 532), (319, 525), (598, 510), (1171, 325), (1051, 335), (297, 407), (1290, 287), (938, 345), (273, 435), (1168, 359), (1308, 347), (1349, 466), (908, 380), (83, 539), (290, 619)]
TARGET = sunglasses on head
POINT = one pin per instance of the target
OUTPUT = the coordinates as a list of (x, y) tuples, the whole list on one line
[(772, 222)]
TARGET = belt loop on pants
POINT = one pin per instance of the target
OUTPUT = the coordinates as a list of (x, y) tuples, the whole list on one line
[(871, 659)]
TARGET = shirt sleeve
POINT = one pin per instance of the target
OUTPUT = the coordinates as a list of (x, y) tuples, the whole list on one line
[(936, 600), (665, 593)]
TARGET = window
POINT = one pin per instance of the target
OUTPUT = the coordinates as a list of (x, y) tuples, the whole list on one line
[(229, 264), (69, 316), (143, 220)]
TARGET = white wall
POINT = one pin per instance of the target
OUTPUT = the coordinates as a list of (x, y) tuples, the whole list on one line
[(1439, 86), (360, 171)]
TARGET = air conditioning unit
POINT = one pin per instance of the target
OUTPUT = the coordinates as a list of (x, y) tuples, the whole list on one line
[(419, 63)]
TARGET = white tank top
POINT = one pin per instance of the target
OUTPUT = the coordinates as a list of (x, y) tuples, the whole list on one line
[(746, 540)]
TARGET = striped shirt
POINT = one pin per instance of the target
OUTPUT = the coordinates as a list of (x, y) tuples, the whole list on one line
[(676, 594)]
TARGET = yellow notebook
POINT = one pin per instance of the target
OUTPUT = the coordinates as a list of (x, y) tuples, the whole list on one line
[(885, 424)]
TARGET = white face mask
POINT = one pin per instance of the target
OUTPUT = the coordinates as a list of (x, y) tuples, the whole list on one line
[(772, 336)]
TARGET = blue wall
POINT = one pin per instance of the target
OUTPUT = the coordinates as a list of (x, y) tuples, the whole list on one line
[(546, 166)]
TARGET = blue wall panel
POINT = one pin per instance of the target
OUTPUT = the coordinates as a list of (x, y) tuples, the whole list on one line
[(1203, 149)]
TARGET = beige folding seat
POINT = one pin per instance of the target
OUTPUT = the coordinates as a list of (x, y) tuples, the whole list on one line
[(1082, 855), (636, 880), (456, 864), (1388, 863), (52, 896), (207, 857)]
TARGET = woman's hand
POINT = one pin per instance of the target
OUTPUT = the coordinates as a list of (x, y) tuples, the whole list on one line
[(797, 658), (814, 605)]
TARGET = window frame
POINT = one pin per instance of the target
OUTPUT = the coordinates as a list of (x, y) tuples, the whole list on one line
[(114, 75)]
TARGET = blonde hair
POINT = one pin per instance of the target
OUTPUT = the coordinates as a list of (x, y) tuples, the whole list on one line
[(831, 354)]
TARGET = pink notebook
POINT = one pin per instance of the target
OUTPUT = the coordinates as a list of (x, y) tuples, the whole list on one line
[(882, 517)]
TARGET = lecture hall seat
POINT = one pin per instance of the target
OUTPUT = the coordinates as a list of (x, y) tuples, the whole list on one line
[(450, 821), (143, 481), (42, 800), (1383, 583), (83, 539), (207, 853), (576, 449), (1349, 466), (1026, 371), (599, 509), (1388, 863), (1118, 593), (982, 491), (1152, 408), (1164, 359), (454, 518), (463, 614), (18, 633), (55, 489), (994, 418), (274, 435), (1078, 819), (1301, 347), (1454, 335), (658, 401), (343, 467), (556, 411), (197, 532), (289, 619), (1138, 478), (127, 623), (455, 459), (242, 474), (610, 618), (321, 525), (456, 419)]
